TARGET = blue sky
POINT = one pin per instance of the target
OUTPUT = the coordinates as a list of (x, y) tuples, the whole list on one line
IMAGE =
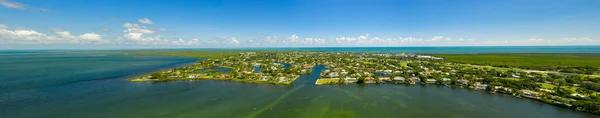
[(302, 23)]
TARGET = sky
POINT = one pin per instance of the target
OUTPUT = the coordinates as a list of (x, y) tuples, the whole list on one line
[(114, 24)]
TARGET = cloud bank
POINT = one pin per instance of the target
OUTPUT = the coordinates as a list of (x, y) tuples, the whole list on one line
[(140, 35)]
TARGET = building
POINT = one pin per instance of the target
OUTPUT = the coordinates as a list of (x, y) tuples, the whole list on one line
[(480, 86), (350, 80), (446, 79), (578, 95), (369, 80), (385, 79), (431, 80), (333, 75), (387, 71), (530, 94), (282, 79), (502, 89), (463, 81), (415, 79), (399, 79)]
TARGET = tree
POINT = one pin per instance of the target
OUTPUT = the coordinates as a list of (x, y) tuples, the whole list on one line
[(361, 80)]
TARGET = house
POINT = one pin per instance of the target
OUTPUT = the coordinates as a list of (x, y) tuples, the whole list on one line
[(578, 95), (367, 74), (515, 76), (333, 75), (399, 79), (431, 80), (463, 81), (369, 80), (173, 76), (502, 89), (264, 78), (480, 86), (387, 71), (350, 80), (282, 79), (546, 90), (530, 94), (415, 79), (446, 79), (385, 79)]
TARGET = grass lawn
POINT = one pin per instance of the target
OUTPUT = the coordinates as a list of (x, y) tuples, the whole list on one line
[(547, 86), (514, 79), (327, 81)]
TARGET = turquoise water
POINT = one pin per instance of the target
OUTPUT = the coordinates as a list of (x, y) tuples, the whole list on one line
[(89, 84)]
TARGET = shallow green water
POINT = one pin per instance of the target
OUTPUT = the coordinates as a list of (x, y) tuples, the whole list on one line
[(90, 85)]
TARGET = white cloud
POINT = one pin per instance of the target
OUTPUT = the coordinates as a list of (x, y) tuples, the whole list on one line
[(293, 37), (234, 41), (145, 21), (26, 36), (134, 36), (14, 5), (63, 33), (367, 40), (135, 31), (90, 36), (437, 38), (135, 28)]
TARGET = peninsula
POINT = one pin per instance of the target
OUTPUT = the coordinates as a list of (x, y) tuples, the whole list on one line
[(576, 86)]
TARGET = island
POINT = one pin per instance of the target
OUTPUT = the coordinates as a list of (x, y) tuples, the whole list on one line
[(565, 80)]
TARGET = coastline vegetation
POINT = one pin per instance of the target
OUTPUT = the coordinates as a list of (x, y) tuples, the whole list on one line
[(567, 63)]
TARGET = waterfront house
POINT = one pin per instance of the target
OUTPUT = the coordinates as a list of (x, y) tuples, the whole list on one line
[(385, 79), (502, 89), (350, 80), (282, 79), (264, 78), (369, 80), (431, 80), (191, 76), (546, 90), (415, 79), (480, 86), (446, 79), (530, 94), (399, 79)]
